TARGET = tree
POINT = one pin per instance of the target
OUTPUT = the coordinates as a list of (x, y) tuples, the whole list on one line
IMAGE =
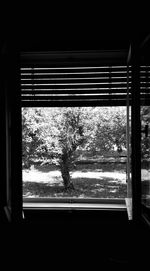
[(110, 129), (30, 134), (118, 130), (62, 133), (145, 139)]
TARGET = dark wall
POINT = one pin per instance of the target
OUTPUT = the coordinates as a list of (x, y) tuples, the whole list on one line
[(110, 236)]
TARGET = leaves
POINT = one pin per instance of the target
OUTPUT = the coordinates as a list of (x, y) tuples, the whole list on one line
[(145, 140), (49, 133)]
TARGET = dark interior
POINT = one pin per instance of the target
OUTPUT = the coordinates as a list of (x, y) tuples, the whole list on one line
[(104, 237)]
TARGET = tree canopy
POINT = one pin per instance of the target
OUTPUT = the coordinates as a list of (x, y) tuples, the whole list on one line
[(48, 131), (145, 139), (61, 134)]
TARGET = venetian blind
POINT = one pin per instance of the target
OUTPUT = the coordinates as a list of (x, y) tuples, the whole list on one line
[(100, 78)]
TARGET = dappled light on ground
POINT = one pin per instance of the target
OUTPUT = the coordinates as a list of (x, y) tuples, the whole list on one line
[(121, 177), (87, 184), (37, 176)]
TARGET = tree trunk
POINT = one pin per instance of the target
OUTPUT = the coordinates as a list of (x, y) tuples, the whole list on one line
[(64, 167)]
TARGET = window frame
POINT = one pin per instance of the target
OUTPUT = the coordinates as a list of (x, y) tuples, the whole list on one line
[(144, 61), (105, 58), (11, 86)]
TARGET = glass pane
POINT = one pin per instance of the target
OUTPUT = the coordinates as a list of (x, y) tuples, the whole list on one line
[(77, 152), (145, 155), (128, 138)]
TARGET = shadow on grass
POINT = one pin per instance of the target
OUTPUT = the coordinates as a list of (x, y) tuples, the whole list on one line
[(102, 167), (46, 168), (95, 167), (84, 188), (40, 189)]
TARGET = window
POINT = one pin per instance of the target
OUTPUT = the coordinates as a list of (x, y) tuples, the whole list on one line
[(74, 126), (145, 139), (74, 151)]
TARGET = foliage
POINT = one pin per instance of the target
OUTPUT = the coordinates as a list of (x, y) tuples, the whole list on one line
[(110, 129), (30, 134), (60, 134), (145, 139)]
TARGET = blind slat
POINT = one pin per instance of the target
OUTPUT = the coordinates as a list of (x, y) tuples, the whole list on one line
[(77, 97), (79, 83), (73, 91), (100, 83)]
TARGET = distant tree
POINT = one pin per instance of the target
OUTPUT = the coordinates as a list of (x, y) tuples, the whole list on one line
[(118, 130), (110, 129), (145, 137)]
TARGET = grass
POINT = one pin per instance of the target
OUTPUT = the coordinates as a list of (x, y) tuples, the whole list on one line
[(90, 181)]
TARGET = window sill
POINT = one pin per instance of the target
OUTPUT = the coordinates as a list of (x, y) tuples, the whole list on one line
[(100, 211), (72, 204)]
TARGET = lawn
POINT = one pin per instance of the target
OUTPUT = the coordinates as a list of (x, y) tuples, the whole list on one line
[(97, 180)]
